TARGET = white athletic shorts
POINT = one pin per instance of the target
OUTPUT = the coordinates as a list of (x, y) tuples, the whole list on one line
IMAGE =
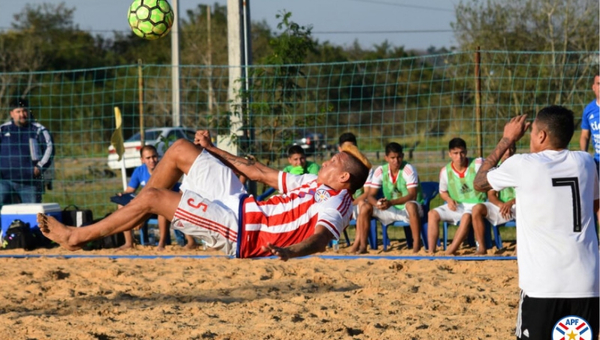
[(210, 204), (447, 215), (393, 214), (389, 216), (494, 216)]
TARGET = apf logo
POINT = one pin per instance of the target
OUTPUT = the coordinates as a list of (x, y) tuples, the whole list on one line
[(321, 195), (572, 328)]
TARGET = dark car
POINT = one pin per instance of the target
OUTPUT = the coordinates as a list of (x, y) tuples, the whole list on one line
[(313, 143)]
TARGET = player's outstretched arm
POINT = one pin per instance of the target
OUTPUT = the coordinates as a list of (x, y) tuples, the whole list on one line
[(513, 131), (316, 243), (250, 168)]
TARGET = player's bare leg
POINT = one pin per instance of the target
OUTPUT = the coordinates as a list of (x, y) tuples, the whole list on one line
[(190, 243), (478, 215), (415, 224), (128, 236), (150, 201), (176, 161), (460, 235), (57, 231), (433, 230), (163, 230), (363, 223)]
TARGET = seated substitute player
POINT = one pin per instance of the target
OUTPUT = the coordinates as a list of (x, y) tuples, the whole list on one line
[(312, 211), (456, 188), (556, 198), (499, 209), (362, 226), (402, 198), (298, 163)]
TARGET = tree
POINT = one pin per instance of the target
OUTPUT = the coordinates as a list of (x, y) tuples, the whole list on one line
[(553, 37)]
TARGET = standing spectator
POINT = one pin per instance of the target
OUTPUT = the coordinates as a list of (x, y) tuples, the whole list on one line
[(456, 189), (590, 123), (139, 178), (590, 126), (26, 152), (556, 197), (298, 163)]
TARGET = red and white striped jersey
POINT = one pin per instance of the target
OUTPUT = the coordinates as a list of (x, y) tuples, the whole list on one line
[(291, 217)]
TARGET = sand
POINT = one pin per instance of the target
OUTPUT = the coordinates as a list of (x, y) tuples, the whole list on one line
[(223, 298)]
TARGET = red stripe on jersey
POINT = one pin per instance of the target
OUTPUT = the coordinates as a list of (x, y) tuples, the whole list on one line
[(206, 224), (408, 170), (283, 182), (333, 228), (378, 171), (288, 218), (345, 205)]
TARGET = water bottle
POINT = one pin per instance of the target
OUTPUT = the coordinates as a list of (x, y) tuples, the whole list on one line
[(335, 245), (203, 244)]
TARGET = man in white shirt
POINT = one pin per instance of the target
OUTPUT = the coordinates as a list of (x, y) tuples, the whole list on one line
[(556, 199)]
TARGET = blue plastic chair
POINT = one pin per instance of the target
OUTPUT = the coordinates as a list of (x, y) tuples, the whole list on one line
[(496, 231), (430, 190), (471, 236), (372, 236)]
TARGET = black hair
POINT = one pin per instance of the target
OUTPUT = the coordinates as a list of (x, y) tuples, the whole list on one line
[(559, 123), (358, 172), (393, 147), (147, 147), (347, 137), (457, 143), (295, 150)]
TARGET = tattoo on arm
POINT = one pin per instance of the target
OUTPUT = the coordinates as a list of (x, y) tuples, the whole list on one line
[(481, 183)]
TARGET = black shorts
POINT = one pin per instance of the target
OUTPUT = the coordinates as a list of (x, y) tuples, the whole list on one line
[(538, 317)]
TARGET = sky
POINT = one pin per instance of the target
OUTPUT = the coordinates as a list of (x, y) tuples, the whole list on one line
[(409, 23)]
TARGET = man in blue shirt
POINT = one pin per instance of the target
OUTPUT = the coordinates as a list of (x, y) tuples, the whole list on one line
[(590, 123), (26, 152)]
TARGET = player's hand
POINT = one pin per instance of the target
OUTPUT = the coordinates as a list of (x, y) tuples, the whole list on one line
[(202, 138), (452, 205), (36, 172), (282, 253), (505, 210), (383, 204), (516, 127)]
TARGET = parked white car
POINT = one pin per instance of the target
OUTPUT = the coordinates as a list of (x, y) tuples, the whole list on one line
[(154, 136)]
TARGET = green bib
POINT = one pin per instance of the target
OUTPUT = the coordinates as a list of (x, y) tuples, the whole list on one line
[(506, 194), (461, 189), (358, 192), (393, 191)]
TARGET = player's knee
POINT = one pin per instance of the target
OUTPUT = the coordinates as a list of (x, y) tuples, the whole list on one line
[(365, 208), (411, 208), (433, 216), (479, 210)]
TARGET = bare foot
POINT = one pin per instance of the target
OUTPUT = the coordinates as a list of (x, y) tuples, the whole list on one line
[(57, 231), (126, 246), (361, 251), (481, 252), (354, 249), (160, 247), (191, 246)]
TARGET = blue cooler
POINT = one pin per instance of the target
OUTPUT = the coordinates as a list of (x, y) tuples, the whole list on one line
[(27, 212)]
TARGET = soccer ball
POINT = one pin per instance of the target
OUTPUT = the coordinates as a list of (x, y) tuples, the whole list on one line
[(150, 19)]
